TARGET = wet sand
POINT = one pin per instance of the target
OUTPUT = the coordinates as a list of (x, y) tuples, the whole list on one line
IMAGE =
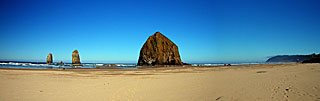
[(277, 82)]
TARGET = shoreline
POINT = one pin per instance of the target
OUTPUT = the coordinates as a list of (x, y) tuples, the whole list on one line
[(146, 68), (290, 81)]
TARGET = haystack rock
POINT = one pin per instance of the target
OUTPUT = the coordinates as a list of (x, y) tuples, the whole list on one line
[(76, 58), (49, 59), (159, 50)]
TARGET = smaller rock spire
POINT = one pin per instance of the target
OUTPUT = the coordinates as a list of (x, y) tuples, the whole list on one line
[(76, 58), (49, 59)]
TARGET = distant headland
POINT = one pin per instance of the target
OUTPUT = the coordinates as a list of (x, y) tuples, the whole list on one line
[(294, 58)]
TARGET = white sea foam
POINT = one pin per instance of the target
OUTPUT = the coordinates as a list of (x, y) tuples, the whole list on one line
[(3, 63), (207, 64), (99, 64), (39, 64)]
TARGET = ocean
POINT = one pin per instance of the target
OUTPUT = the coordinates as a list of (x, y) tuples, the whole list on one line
[(43, 65)]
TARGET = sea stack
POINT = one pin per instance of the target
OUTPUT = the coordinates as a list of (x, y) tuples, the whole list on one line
[(159, 50), (49, 59), (76, 58)]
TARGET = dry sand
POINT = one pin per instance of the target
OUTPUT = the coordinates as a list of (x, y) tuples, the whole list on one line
[(277, 82)]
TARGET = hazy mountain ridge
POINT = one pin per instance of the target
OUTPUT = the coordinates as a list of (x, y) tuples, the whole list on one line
[(289, 58)]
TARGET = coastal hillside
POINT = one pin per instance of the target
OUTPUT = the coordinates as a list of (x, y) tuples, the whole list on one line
[(289, 58), (315, 59)]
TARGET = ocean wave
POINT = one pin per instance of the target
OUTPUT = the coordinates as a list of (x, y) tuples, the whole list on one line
[(208, 64), (99, 64)]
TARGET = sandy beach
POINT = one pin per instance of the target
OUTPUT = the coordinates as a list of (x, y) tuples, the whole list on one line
[(277, 82)]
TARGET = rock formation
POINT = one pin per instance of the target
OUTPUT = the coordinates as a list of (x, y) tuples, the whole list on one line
[(76, 58), (159, 50), (186, 64), (61, 63), (49, 59)]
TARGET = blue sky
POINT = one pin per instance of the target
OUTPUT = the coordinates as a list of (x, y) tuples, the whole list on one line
[(115, 30)]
